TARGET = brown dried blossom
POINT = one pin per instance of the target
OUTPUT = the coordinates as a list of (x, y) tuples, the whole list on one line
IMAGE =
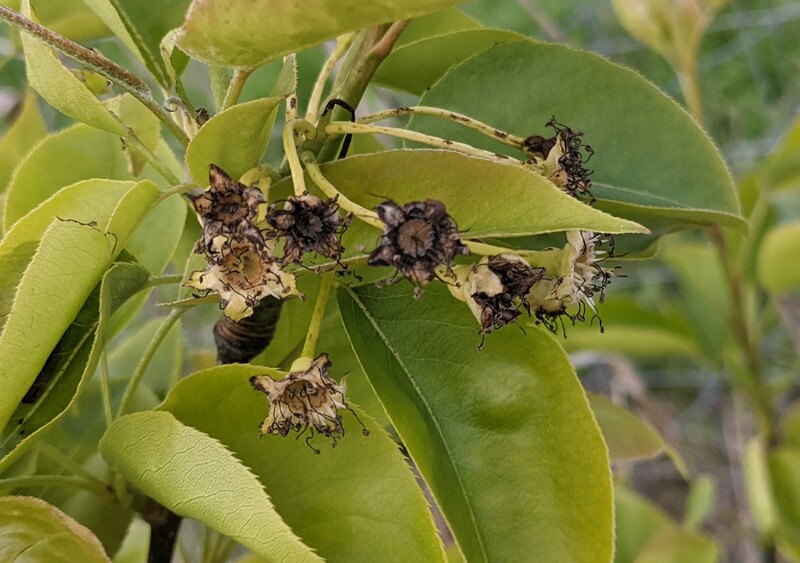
[(304, 400), (560, 158), (308, 224), (418, 238)]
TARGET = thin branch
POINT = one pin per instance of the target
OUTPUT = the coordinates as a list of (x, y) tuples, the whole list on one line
[(97, 62), (240, 76)]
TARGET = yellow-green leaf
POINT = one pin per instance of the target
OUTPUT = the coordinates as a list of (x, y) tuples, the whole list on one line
[(197, 477), (32, 530), (779, 258), (234, 140), (23, 134), (62, 89), (231, 32)]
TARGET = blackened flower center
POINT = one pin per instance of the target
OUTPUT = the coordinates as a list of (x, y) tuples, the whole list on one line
[(415, 237)]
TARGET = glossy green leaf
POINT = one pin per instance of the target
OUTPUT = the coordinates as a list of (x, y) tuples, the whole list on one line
[(627, 436), (61, 159), (234, 140), (147, 26), (779, 258), (197, 477), (85, 202), (62, 89), (416, 66), (32, 530), (230, 32), (381, 512), (71, 363), (463, 183), (28, 128), (68, 263), (504, 437), (635, 331), (651, 159), (637, 521), (679, 546), (437, 23)]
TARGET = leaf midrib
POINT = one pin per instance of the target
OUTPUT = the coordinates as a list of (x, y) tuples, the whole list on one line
[(395, 355)]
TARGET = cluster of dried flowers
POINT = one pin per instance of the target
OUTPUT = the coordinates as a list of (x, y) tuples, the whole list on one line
[(419, 240)]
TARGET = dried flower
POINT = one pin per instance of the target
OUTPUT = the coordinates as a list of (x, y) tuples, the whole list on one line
[(227, 207), (578, 278), (242, 268), (497, 288), (417, 238), (304, 400), (560, 159), (308, 224)]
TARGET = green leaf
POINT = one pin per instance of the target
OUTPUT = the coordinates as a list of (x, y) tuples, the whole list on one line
[(230, 32), (70, 18), (71, 363), (637, 521), (234, 140), (651, 159), (383, 515), (416, 66), (147, 25), (782, 167), (463, 183), (700, 501), (84, 202), (197, 477), (779, 258), (679, 546), (155, 239), (108, 13), (504, 438), (704, 292), (437, 23), (627, 436), (32, 530), (783, 463), (636, 331), (758, 486), (28, 128), (142, 122), (68, 263), (62, 89), (61, 159)]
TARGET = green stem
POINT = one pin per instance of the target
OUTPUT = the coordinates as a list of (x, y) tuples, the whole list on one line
[(361, 213), (33, 481), (240, 76), (106, 389), (466, 121), (689, 80), (179, 189), (758, 391), (97, 62), (315, 326), (153, 159), (342, 45), (147, 357), (369, 50), (68, 463), (290, 149), (344, 128), (168, 279)]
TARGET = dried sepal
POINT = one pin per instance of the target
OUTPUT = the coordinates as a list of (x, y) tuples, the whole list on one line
[(418, 238), (560, 158), (496, 289), (304, 400), (308, 224)]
